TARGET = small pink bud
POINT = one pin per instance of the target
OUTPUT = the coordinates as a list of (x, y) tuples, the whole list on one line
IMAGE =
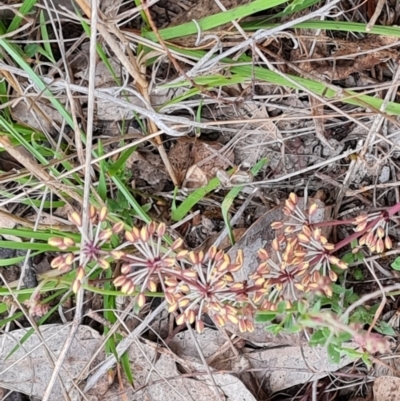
[(212, 252), (144, 234), (103, 213), (56, 241), (313, 209), (92, 213), (263, 254), (161, 229), (68, 242), (141, 300), (80, 273), (152, 286), (177, 244), (380, 232), (199, 326), (119, 281), (117, 255), (126, 269), (118, 227), (293, 198), (105, 234), (104, 264), (57, 262), (180, 319), (76, 219), (277, 225), (152, 228), (76, 285)]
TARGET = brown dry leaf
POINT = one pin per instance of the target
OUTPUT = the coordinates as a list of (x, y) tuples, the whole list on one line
[(207, 161), (6, 222), (207, 155), (387, 388), (195, 178), (180, 158), (150, 168), (28, 370)]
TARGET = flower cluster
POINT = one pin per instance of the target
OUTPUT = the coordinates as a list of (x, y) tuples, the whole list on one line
[(193, 283), (375, 227), (298, 261)]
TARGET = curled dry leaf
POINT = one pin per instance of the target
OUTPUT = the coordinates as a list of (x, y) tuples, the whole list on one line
[(387, 388)]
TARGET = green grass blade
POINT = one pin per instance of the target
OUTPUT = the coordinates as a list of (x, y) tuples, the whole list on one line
[(132, 201), (45, 38), (102, 187), (180, 212), (232, 194), (119, 165), (41, 235), (294, 7), (344, 26), (215, 20), (26, 7)]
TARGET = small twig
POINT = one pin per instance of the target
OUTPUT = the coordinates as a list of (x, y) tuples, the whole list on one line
[(377, 12)]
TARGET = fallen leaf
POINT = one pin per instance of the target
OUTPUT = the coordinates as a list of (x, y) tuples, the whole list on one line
[(28, 370), (284, 367)]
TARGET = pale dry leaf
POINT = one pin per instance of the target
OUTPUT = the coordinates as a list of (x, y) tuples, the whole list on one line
[(210, 342), (195, 178), (28, 370), (232, 387), (6, 222), (284, 367), (387, 388), (22, 113), (252, 144), (158, 380)]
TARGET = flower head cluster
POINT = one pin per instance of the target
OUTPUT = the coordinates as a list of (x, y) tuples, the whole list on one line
[(194, 283), (299, 261), (145, 269), (205, 284), (90, 250), (375, 227)]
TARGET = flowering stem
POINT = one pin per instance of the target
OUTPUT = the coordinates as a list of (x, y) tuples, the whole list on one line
[(390, 212)]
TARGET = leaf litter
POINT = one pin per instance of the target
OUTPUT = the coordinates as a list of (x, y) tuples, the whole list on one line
[(296, 132)]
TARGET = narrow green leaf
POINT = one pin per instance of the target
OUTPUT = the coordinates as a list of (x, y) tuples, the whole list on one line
[(215, 20), (230, 197), (196, 196), (333, 354), (26, 7), (45, 37)]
